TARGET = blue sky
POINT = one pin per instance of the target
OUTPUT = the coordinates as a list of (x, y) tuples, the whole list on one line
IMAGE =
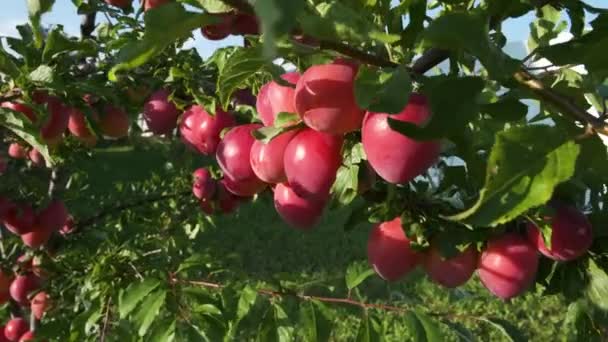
[(14, 12)]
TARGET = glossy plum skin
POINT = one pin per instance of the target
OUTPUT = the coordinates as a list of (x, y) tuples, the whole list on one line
[(115, 122), (160, 113), (227, 201), (149, 4), (56, 123), (220, 30), (119, 3), (22, 286), (234, 150), (571, 235), (311, 161), (275, 98), (204, 185), (50, 219), (19, 219), (508, 265), (267, 159), (5, 282), (77, 125), (39, 305), (21, 108), (36, 157), (15, 328), (244, 188), (296, 211), (28, 336), (389, 252), (325, 98), (201, 130), (17, 151), (451, 272), (395, 157), (245, 24)]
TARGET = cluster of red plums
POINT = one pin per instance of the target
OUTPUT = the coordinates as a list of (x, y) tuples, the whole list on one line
[(236, 23), (23, 287), (507, 266)]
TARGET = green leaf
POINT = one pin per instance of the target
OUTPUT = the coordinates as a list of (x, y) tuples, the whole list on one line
[(285, 119), (207, 309), (587, 50), (149, 309), (453, 103), (213, 6), (345, 187), (195, 260), (334, 20), (132, 295), (44, 74), (470, 31), (370, 330), (36, 8), (163, 331), (277, 19), (239, 67), (422, 327), (57, 42), (505, 110), (26, 131), (315, 324), (525, 165), (157, 37), (356, 273), (508, 330), (597, 289), (7, 65), (246, 301), (464, 334), (384, 90)]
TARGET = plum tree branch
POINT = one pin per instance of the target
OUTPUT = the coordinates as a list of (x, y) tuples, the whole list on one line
[(334, 300)]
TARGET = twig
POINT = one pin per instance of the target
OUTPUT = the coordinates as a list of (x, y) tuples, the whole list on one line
[(87, 25), (335, 300), (136, 272), (106, 320), (109, 211)]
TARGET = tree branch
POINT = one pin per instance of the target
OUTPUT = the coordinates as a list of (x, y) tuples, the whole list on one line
[(87, 25)]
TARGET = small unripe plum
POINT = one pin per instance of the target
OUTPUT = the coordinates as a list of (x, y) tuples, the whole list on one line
[(119, 3), (77, 125), (234, 150), (220, 30), (22, 286), (244, 188), (115, 122), (389, 252), (451, 272), (204, 185), (244, 24), (296, 211), (278, 98), (28, 336), (56, 123), (17, 151), (311, 163), (20, 108), (36, 157), (15, 328), (39, 305), (508, 266), (267, 159), (571, 235), (201, 130), (325, 98), (228, 202), (149, 4), (5, 282), (19, 219), (160, 113), (396, 158)]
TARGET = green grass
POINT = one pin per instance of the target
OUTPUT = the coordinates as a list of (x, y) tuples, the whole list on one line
[(254, 244)]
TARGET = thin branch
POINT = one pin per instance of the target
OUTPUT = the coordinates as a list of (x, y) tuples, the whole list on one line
[(87, 25), (118, 208), (106, 320), (334, 300)]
